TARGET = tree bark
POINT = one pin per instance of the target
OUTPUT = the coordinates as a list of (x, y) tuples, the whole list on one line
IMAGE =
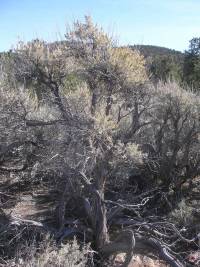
[(93, 103), (108, 105)]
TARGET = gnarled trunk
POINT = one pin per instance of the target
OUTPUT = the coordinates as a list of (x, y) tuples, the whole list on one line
[(100, 222)]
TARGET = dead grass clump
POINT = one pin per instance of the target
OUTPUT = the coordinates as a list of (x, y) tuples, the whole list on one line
[(49, 255)]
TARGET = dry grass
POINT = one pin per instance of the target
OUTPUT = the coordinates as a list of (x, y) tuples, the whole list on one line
[(139, 261), (48, 255)]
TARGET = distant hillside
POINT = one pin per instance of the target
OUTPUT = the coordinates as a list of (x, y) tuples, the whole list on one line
[(152, 51), (162, 63)]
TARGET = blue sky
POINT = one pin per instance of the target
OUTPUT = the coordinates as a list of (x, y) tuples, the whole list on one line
[(169, 23)]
